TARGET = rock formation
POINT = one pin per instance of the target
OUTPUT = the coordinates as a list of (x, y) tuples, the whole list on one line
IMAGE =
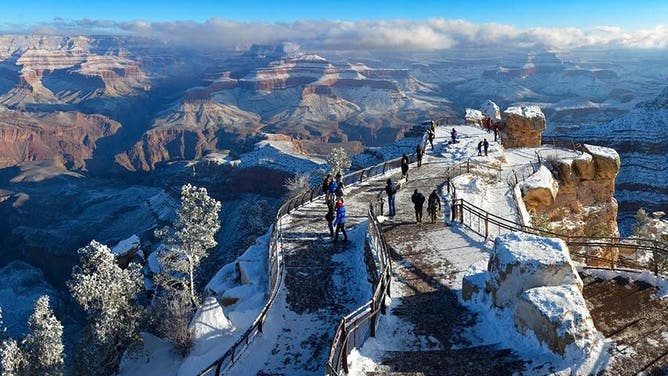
[(66, 137), (523, 127)]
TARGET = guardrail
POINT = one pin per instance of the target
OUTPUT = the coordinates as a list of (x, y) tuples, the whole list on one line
[(276, 269), (360, 324), (606, 252)]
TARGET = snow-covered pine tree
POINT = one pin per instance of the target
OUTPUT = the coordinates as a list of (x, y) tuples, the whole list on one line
[(254, 219), (12, 358), (338, 161), (297, 184), (187, 242), (43, 346), (108, 294)]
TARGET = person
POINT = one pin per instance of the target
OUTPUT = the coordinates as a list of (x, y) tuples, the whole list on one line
[(488, 124), (432, 203), (496, 132), (418, 153), (453, 134), (485, 145), (339, 186), (391, 191), (325, 187), (430, 137), (331, 190), (329, 217), (404, 166), (418, 200), (480, 148), (432, 127), (340, 221)]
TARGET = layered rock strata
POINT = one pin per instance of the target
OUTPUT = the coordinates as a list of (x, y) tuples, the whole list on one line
[(524, 126)]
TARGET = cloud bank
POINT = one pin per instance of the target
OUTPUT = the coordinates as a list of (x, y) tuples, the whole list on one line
[(432, 34)]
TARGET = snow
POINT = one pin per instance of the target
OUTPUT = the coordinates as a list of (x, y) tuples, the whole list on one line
[(157, 358), (601, 151), (641, 275), (540, 179), (473, 116), (126, 245), (207, 325), (525, 111), (490, 110)]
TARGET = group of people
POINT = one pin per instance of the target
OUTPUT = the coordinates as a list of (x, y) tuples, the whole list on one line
[(418, 200), (492, 126), (336, 210), (483, 145)]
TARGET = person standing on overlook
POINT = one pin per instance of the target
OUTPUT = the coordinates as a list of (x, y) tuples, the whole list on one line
[(432, 203), (329, 217), (453, 135), (391, 191), (404, 166), (419, 152), (418, 201), (340, 221), (430, 137), (485, 146)]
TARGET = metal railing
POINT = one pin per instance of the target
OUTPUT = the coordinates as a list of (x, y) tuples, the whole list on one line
[(605, 252), (276, 267), (360, 324)]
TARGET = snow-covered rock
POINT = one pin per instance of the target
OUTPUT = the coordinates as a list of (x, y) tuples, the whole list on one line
[(208, 324), (474, 117), (126, 249), (559, 318), (524, 126), (491, 110), (539, 189), (606, 161), (523, 261)]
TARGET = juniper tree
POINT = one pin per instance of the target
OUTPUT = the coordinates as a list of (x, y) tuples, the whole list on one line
[(12, 358), (108, 294), (43, 346), (187, 242), (338, 160)]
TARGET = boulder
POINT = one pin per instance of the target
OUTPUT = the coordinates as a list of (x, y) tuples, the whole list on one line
[(606, 161), (474, 117), (539, 189), (522, 261), (126, 249), (524, 127), (491, 110), (559, 318), (207, 325)]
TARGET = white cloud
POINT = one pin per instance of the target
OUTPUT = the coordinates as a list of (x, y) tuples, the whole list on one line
[(430, 34)]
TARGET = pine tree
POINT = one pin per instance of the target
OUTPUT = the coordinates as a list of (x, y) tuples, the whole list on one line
[(338, 160), (108, 294), (297, 184), (43, 346), (187, 242), (12, 358)]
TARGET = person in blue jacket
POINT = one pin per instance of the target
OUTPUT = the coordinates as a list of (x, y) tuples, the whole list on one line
[(340, 221), (331, 192)]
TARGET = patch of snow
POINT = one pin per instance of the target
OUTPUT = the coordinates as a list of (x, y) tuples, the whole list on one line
[(126, 245), (607, 153), (207, 325), (540, 179), (645, 276), (525, 111), (156, 358)]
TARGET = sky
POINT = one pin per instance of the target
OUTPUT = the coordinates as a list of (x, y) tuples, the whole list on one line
[(347, 24), (630, 15)]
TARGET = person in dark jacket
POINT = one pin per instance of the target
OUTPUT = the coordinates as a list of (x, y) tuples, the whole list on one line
[(431, 135), (391, 191), (339, 186), (485, 146), (404, 166), (331, 191), (480, 148), (496, 132), (340, 221), (325, 187), (418, 201), (329, 217), (453, 134), (433, 205), (419, 152)]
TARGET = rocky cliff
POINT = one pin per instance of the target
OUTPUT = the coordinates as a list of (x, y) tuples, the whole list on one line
[(523, 127), (67, 137), (577, 195)]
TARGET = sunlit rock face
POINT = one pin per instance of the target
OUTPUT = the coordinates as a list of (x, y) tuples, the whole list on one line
[(524, 126)]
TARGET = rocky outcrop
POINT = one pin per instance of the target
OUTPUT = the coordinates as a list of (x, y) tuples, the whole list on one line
[(523, 127), (54, 69), (540, 189), (491, 110), (474, 117), (66, 137), (584, 202)]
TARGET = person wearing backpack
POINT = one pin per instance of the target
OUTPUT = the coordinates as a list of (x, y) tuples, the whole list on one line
[(432, 203), (418, 201), (331, 190), (325, 187), (430, 137), (340, 221), (339, 187), (391, 191)]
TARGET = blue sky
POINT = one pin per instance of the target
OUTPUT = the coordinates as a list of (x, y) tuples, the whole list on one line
[(631, 15)]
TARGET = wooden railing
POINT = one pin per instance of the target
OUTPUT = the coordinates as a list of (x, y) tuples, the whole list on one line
[(276, 267), (360, 324)]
